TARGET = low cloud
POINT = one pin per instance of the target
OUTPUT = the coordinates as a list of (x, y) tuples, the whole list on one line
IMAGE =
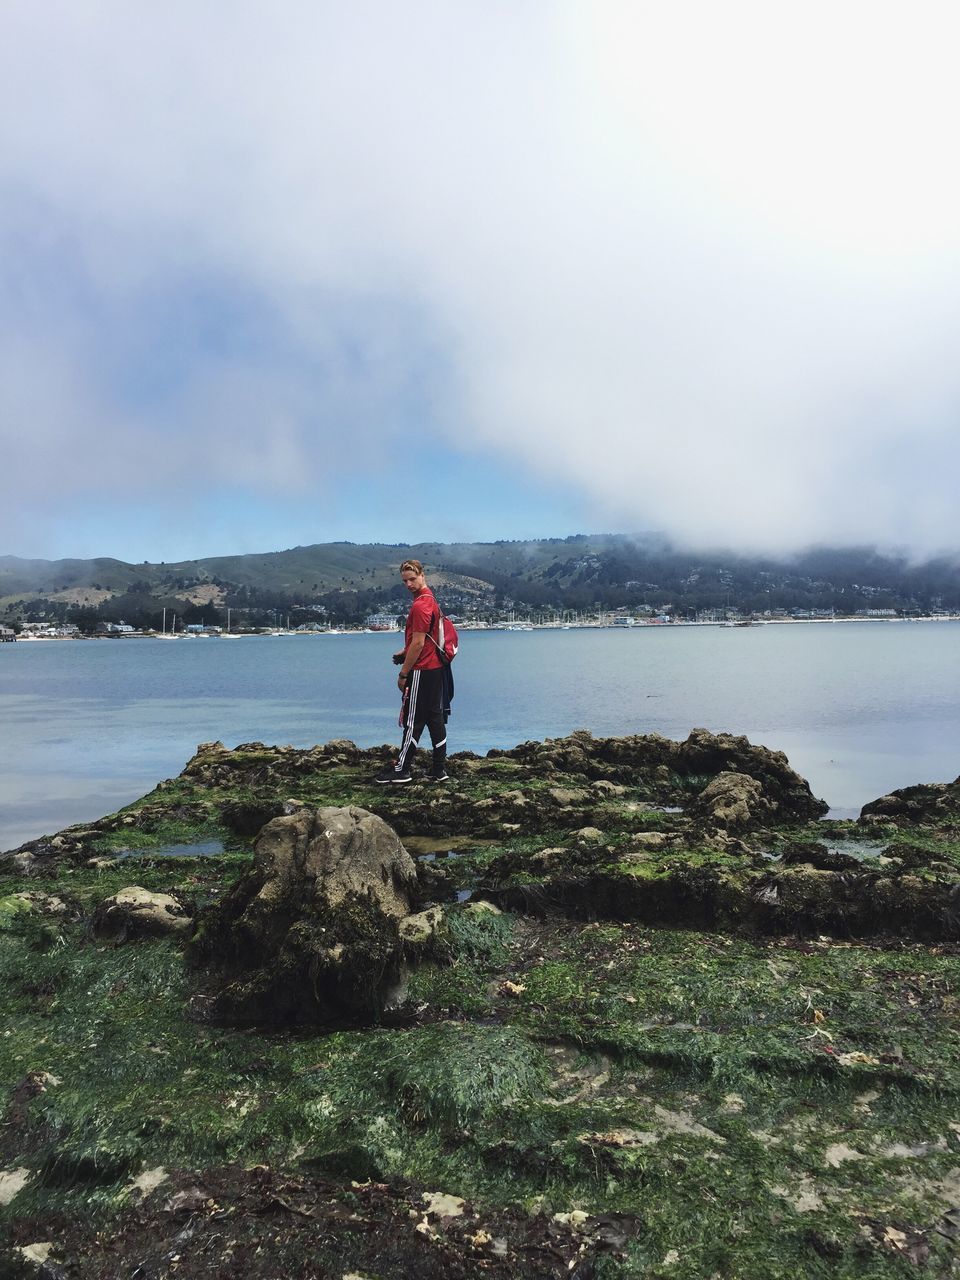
[(700, 264)]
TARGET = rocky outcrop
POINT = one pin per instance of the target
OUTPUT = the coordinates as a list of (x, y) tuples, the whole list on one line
[(928, 804), (735, 896), (135, 912), (255, 765), (311, 934), (560, 784), (35, 856), (670, 770)]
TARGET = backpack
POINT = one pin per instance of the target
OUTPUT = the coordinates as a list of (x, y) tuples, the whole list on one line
[(446, 642)]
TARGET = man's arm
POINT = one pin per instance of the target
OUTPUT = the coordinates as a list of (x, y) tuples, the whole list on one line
[(412, 656)]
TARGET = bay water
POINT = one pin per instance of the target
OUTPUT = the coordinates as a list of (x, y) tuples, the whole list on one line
[(859, 708)]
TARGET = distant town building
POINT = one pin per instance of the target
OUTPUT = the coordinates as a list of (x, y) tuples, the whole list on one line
[(381, 622)]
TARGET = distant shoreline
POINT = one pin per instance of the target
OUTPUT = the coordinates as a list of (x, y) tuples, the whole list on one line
[(496, 626)]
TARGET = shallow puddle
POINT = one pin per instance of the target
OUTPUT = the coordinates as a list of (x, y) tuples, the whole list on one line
[(429, 848), (203, 849), (633, 806), (860, 849)]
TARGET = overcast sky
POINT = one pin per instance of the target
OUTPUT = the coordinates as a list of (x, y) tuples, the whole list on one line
[(277, 274)]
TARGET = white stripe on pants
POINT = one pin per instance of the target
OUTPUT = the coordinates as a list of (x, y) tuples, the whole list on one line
[(408, 741)]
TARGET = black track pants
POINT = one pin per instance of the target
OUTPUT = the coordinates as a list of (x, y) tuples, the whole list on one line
[(423, 705)]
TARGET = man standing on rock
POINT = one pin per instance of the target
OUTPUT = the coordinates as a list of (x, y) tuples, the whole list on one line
[(420, 681)]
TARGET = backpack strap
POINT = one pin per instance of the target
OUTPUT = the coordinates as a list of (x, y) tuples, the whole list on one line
[(438, 644)]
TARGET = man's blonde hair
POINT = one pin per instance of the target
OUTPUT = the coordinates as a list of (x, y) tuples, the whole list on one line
[(413, 565)]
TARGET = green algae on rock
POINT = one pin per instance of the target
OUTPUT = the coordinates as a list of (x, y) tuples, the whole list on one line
[(743, 893)]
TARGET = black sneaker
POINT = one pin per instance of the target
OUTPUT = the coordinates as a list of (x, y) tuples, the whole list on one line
[(394, 775), (438, 775)]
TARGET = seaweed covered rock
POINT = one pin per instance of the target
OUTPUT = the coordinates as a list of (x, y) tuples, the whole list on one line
[(927, 804), (785, 792), (46, 904), (135, 912), (311, 934), (425, 935), (245, 817), (258, 766), (667, 768)]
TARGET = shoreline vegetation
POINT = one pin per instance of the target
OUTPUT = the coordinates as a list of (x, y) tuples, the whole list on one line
[(599, 1007)]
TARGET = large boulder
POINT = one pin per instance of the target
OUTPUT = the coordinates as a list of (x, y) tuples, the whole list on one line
[(135, 912), (786, 795), (731, 802), (311, 934)]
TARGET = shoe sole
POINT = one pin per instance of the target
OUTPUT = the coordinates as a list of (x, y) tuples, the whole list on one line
[(391, 782)]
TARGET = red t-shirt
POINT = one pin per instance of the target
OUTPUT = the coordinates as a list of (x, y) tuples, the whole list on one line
[(423, 617)]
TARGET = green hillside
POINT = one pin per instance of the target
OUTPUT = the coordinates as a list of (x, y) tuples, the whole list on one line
[(344, 581)]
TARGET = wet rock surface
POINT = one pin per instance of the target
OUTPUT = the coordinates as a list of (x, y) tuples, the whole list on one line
[(312, 932)]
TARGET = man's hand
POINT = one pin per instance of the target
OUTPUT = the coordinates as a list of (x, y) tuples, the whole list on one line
[(398, 657), (411, 654)]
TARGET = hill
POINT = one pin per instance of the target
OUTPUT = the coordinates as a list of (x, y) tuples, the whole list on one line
[(345, 581)]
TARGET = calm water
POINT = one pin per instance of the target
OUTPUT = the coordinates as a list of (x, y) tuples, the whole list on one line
[(858, 708)]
